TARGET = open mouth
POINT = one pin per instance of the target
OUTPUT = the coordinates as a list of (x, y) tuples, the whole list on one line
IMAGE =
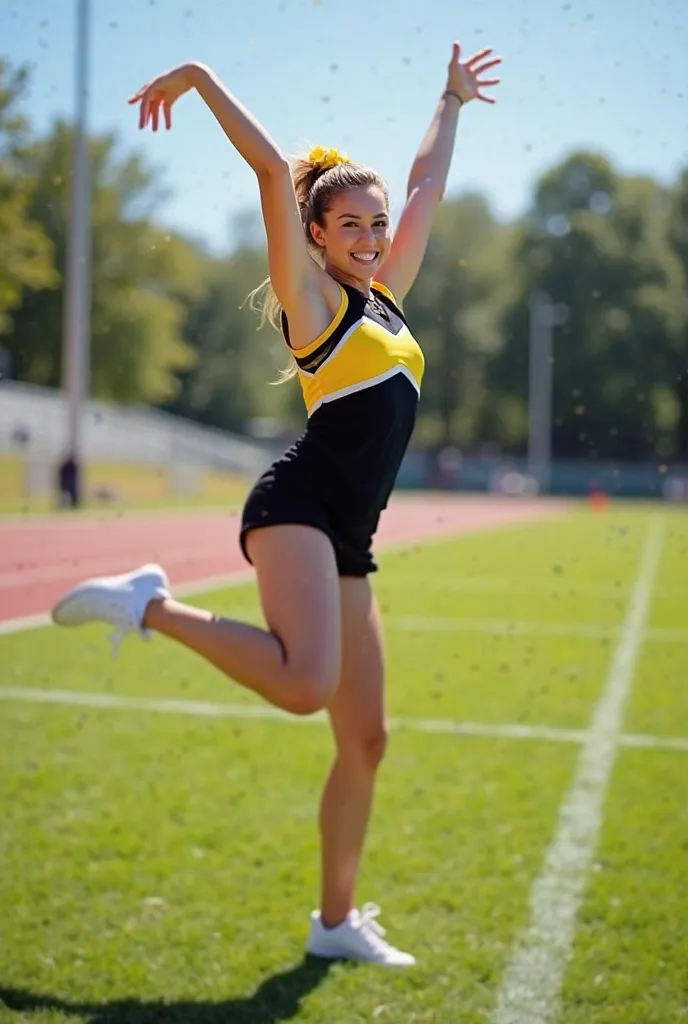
[(365, 258)]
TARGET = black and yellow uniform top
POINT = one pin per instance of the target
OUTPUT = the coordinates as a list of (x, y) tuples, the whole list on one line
[(361, 382), (367, 341)]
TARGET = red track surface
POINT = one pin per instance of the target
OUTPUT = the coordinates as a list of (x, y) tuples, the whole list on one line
[(41, 559)]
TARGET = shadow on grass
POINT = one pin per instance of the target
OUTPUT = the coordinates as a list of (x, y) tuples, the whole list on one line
[(278, 998)]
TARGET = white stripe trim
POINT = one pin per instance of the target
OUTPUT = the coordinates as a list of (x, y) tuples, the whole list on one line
[(441, 726), (363, 385), (530, 992)]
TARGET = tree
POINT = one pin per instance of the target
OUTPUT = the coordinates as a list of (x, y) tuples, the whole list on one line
[(141, 276), (26, 256), (235, 361), (596, 243), (454, 310), (678, 235)]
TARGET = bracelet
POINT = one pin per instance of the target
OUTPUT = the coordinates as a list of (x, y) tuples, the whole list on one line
[(451, 92)]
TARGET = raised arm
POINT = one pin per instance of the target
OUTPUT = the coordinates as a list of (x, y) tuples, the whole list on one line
[(428, 177), (289, 261)]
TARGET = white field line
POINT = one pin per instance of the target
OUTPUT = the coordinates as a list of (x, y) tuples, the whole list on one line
[(413, 623), (24, 623), (235, 579), (530, 992), (500, 585), (516, 627), (206, 709), (469, 585), (507, 627), (38, 574), (555, 587)]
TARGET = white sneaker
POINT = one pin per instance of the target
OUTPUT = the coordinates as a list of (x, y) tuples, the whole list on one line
[(118, 601), (358, 937)]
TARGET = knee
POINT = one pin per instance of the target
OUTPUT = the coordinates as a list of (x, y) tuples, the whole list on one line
[(365, 750), (313, 687)]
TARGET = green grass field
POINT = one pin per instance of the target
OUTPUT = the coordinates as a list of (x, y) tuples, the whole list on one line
[(160, 866), (132, 485)]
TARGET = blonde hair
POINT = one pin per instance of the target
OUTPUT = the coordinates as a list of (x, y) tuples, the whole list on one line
[(317, 179)]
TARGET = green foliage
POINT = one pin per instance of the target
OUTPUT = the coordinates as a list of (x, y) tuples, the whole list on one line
[(235, 359), (142, 277), (454, 308), (25, 251), (598, 244)]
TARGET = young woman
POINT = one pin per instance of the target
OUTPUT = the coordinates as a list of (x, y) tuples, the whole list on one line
[(337, 279)]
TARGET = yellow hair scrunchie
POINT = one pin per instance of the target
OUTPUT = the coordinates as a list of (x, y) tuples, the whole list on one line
[(323, 158)]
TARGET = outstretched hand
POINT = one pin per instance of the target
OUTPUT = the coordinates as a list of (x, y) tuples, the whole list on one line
[(465, 79), (161, 94)]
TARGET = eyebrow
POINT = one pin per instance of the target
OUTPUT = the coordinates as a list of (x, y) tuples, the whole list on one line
[(355, 216)]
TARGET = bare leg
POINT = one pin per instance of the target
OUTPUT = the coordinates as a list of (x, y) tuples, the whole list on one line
[(357, 715), (295, 664)]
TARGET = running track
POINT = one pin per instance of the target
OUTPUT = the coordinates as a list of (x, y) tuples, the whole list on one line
[(41, 558)]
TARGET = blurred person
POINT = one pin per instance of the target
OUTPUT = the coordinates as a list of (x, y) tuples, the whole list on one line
[(68, 482), (337, 281)]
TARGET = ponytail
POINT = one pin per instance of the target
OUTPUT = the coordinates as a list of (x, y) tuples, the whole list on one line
[(317, 178)]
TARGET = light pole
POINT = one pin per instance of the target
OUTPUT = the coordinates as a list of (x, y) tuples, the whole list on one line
[(545, 315), (76, 323)]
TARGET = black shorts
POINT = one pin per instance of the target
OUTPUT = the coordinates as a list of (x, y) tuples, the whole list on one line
[(291, 492)]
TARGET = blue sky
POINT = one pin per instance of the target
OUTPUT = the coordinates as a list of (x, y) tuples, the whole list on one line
[(365, 76)]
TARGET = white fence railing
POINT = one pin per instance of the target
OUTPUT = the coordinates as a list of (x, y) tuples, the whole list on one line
[(34, 420)]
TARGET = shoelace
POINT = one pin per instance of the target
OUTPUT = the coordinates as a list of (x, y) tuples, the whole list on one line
[(115, 639), (372, 931), (118, 636)]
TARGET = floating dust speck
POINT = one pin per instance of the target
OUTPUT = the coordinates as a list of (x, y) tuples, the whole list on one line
[(153, 901)]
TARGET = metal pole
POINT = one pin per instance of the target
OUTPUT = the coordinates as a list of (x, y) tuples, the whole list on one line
[(77, 287), (540, 390)]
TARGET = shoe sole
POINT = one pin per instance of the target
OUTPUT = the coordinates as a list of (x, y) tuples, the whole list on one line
[(354, 959)]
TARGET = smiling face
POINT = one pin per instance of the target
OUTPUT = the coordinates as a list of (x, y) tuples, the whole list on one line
[(356, 233)]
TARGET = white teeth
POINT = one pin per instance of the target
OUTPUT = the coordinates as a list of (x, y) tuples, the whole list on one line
[(367, 256)]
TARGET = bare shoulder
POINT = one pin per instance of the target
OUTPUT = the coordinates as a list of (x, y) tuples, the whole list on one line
[(316, 307)]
